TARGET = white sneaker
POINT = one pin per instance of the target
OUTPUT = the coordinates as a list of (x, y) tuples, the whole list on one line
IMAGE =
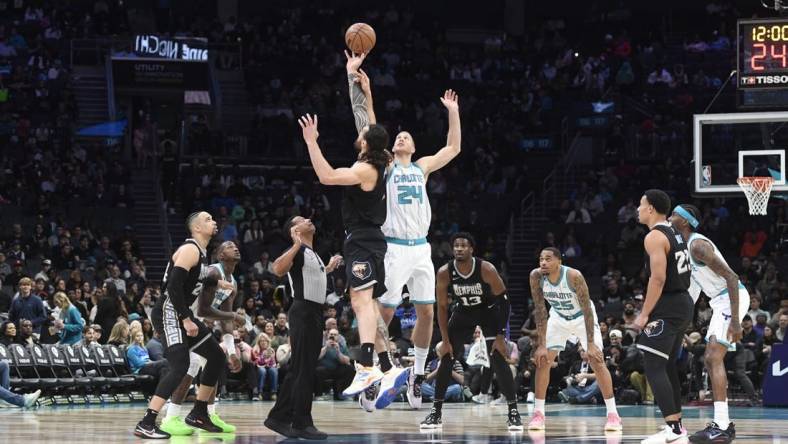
[(30, 398), (414, 392), (501, 400), (392, 380), (481, 398), (666, 435), (530, 398), (365, 376), (366, 399)]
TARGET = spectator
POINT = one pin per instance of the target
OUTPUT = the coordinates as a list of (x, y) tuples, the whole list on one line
[(27, 306), (339, 291), (280, 328), (454, 392), (755, 309), (263, 267), (155, 347), (571, 248), (88, 335), (579, 215), (5, 299), (581, 383), (5, 268), (7, 333), (331, 324), (140, 360), (98, 333), (753, 243), (110, 308), (70, 322), (26, 335), (782, 327), (334, 364), (760, 324), (43, 274), (119, 336), (628, 212), (264, 356)]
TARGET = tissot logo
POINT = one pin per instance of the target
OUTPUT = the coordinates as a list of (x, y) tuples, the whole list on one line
[(765, 80)]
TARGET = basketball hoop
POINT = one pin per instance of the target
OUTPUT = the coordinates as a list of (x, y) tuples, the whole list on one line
[(757, 190)]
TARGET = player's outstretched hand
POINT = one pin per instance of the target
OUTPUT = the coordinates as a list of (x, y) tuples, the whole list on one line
[(450, 100), (363, 81), (354, 61), (308, 125)]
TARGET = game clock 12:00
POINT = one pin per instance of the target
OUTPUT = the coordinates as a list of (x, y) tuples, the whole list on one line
[(763, 53)]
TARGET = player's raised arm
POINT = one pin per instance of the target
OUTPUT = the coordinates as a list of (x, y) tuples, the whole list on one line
[(703, 251), (325, 172), (435, 162), (540, 317), (581, 289), (360, 91), (657, 247)]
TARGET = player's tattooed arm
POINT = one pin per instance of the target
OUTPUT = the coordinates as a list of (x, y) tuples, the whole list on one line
[(702, 251), (227, 306), (540, 312), (360, 92), (581, 288)]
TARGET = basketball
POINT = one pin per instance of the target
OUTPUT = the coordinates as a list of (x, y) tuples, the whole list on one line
[(360, 38)]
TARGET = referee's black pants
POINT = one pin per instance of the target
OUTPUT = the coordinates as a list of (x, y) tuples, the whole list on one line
[(294, 401)]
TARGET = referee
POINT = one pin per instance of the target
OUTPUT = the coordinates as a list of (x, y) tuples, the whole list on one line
[(291, 416)]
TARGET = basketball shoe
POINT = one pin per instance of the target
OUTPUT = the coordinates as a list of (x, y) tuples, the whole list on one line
[(365, 376), (392, 380)]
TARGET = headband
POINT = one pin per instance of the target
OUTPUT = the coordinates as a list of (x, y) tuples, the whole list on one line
[(686, 215)]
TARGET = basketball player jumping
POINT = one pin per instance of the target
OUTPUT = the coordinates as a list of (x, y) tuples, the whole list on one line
[(408, 256), (482, 298), (182, 332), (363, 213), (216, 307), (571, 313), (666, 313), (712, 275)]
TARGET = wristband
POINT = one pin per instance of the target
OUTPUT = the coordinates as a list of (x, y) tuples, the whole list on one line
[(229, 344)]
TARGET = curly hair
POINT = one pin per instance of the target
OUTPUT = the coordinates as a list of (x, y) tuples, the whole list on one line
[(377, 153)]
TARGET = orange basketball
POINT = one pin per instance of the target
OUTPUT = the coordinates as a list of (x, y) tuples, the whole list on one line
[(360, 38)]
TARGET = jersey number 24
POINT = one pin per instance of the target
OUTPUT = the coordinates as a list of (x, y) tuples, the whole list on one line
[(406, 194)]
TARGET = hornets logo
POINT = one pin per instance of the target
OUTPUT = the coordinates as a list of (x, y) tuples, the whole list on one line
[(654, 328)]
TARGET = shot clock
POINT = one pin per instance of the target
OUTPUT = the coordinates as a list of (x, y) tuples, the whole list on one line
[(763, 53)]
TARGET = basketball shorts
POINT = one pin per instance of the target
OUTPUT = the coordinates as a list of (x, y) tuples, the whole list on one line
[(411, 265), (462, 324), (721, 316), (665, 329), (365, 250), (560, 329), (171, 331), (196, 363)]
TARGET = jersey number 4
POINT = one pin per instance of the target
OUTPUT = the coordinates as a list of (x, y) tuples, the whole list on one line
[(682, 262), (406, 194)]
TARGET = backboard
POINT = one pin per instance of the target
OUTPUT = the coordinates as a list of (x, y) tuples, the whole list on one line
[(732, 145)]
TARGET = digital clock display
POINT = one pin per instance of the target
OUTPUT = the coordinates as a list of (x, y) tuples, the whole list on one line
[(763, 53)]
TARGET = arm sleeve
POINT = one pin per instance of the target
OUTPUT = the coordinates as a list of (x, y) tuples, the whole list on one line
[(175, 285), (502, 308)]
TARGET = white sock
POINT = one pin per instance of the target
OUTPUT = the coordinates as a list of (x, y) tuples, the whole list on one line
[(721, 414), (421, 360), (173, 410), (211, 409), (539, 405), (611, 406)]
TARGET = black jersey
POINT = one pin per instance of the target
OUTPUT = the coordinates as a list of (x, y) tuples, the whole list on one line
[(365, 209), (677, 274), (470, 290), (191, 288)]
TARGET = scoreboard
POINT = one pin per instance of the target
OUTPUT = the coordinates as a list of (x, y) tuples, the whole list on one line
[(762, 53)]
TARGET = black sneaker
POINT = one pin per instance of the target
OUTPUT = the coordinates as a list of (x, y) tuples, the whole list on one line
[(432, 421), (280, 427), (202, 422), (514, 422), (714, 434), (311, 433), (146, 431)]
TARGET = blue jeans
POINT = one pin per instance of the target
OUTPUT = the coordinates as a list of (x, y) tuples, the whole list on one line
[(584, 394), (270, 373), (453, 392), (5, 383)]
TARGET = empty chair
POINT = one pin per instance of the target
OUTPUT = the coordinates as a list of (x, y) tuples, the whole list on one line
[(25, 369)]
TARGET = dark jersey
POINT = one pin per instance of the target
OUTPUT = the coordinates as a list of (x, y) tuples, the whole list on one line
[(365, 209), (191, 288), (470, 290), (677, 274)]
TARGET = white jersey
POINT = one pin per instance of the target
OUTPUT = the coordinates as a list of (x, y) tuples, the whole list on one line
[(703, 278), (221, 294), (561, 296), (409, 212)]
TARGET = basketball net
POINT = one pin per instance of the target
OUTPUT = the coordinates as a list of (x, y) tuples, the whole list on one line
[(757, 190)]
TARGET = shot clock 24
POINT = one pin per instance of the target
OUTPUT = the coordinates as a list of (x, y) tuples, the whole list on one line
[(763, 53)]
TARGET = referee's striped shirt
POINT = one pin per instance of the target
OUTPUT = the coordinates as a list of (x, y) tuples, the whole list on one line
[(307, 276)]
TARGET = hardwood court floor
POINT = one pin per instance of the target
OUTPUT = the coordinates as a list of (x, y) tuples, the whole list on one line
[(463, 423)]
